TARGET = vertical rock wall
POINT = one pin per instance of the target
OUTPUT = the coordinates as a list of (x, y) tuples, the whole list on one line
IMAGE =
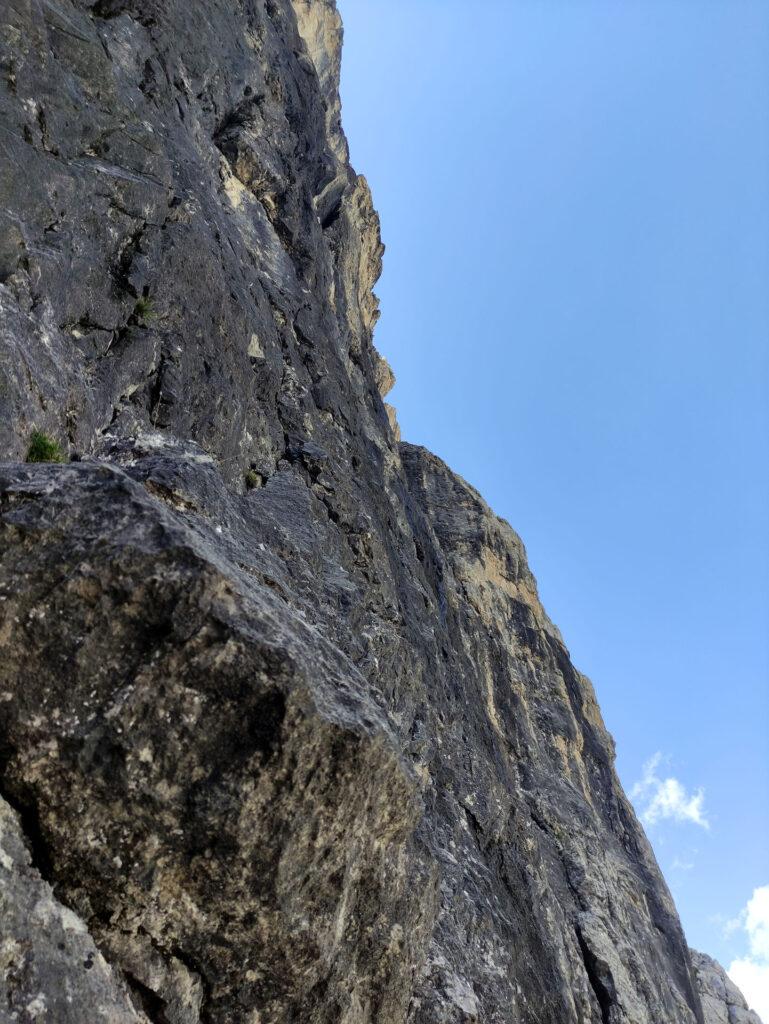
[(282, 719)]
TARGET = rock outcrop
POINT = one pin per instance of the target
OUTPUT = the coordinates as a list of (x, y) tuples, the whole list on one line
[(722, 1001), (287, 729)]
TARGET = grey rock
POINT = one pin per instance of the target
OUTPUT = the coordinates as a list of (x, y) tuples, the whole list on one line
[(51, 969), (292, 734), (722, 1001)]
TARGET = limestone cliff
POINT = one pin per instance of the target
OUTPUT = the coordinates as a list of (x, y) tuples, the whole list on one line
[(283, 724)]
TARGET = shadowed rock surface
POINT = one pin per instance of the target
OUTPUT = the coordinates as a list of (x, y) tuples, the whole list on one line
[(287, 728)]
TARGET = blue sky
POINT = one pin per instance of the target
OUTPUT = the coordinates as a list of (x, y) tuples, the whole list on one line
[(575, 202)]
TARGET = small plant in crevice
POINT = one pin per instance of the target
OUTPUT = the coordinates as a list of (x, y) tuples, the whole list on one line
[(253, 479), (144, 310), (43, 448)]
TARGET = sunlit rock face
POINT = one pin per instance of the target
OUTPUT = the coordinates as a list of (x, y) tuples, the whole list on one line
[(285, 732), (722, 1001)]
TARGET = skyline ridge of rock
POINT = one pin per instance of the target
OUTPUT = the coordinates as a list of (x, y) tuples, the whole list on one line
[(285, 732)]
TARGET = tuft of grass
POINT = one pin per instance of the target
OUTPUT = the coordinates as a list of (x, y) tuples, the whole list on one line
[(43, 448), (144, 310), (253, 479)]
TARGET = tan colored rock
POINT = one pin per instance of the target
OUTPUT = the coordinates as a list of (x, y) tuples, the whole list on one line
[(392, 418), (385, 378), (320, 27)]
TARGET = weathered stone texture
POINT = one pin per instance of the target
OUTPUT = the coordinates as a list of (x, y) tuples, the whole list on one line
[(722, 1001), (288, 729), (51, 969)]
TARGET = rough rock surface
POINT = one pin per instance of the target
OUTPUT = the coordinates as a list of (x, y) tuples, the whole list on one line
[(722, 1001), (51, 969), (285, 723)]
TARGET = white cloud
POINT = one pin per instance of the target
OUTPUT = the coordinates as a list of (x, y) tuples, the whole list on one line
[(752, 979), (661, 799), (681, 865), (751, 973)]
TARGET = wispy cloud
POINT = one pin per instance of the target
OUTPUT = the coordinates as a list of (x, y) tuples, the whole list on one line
[(751, 973), (659, 799), (681, 865)]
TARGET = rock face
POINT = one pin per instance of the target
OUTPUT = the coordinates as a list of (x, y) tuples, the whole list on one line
[(51, 968), (722, 1001), (288, 731)]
